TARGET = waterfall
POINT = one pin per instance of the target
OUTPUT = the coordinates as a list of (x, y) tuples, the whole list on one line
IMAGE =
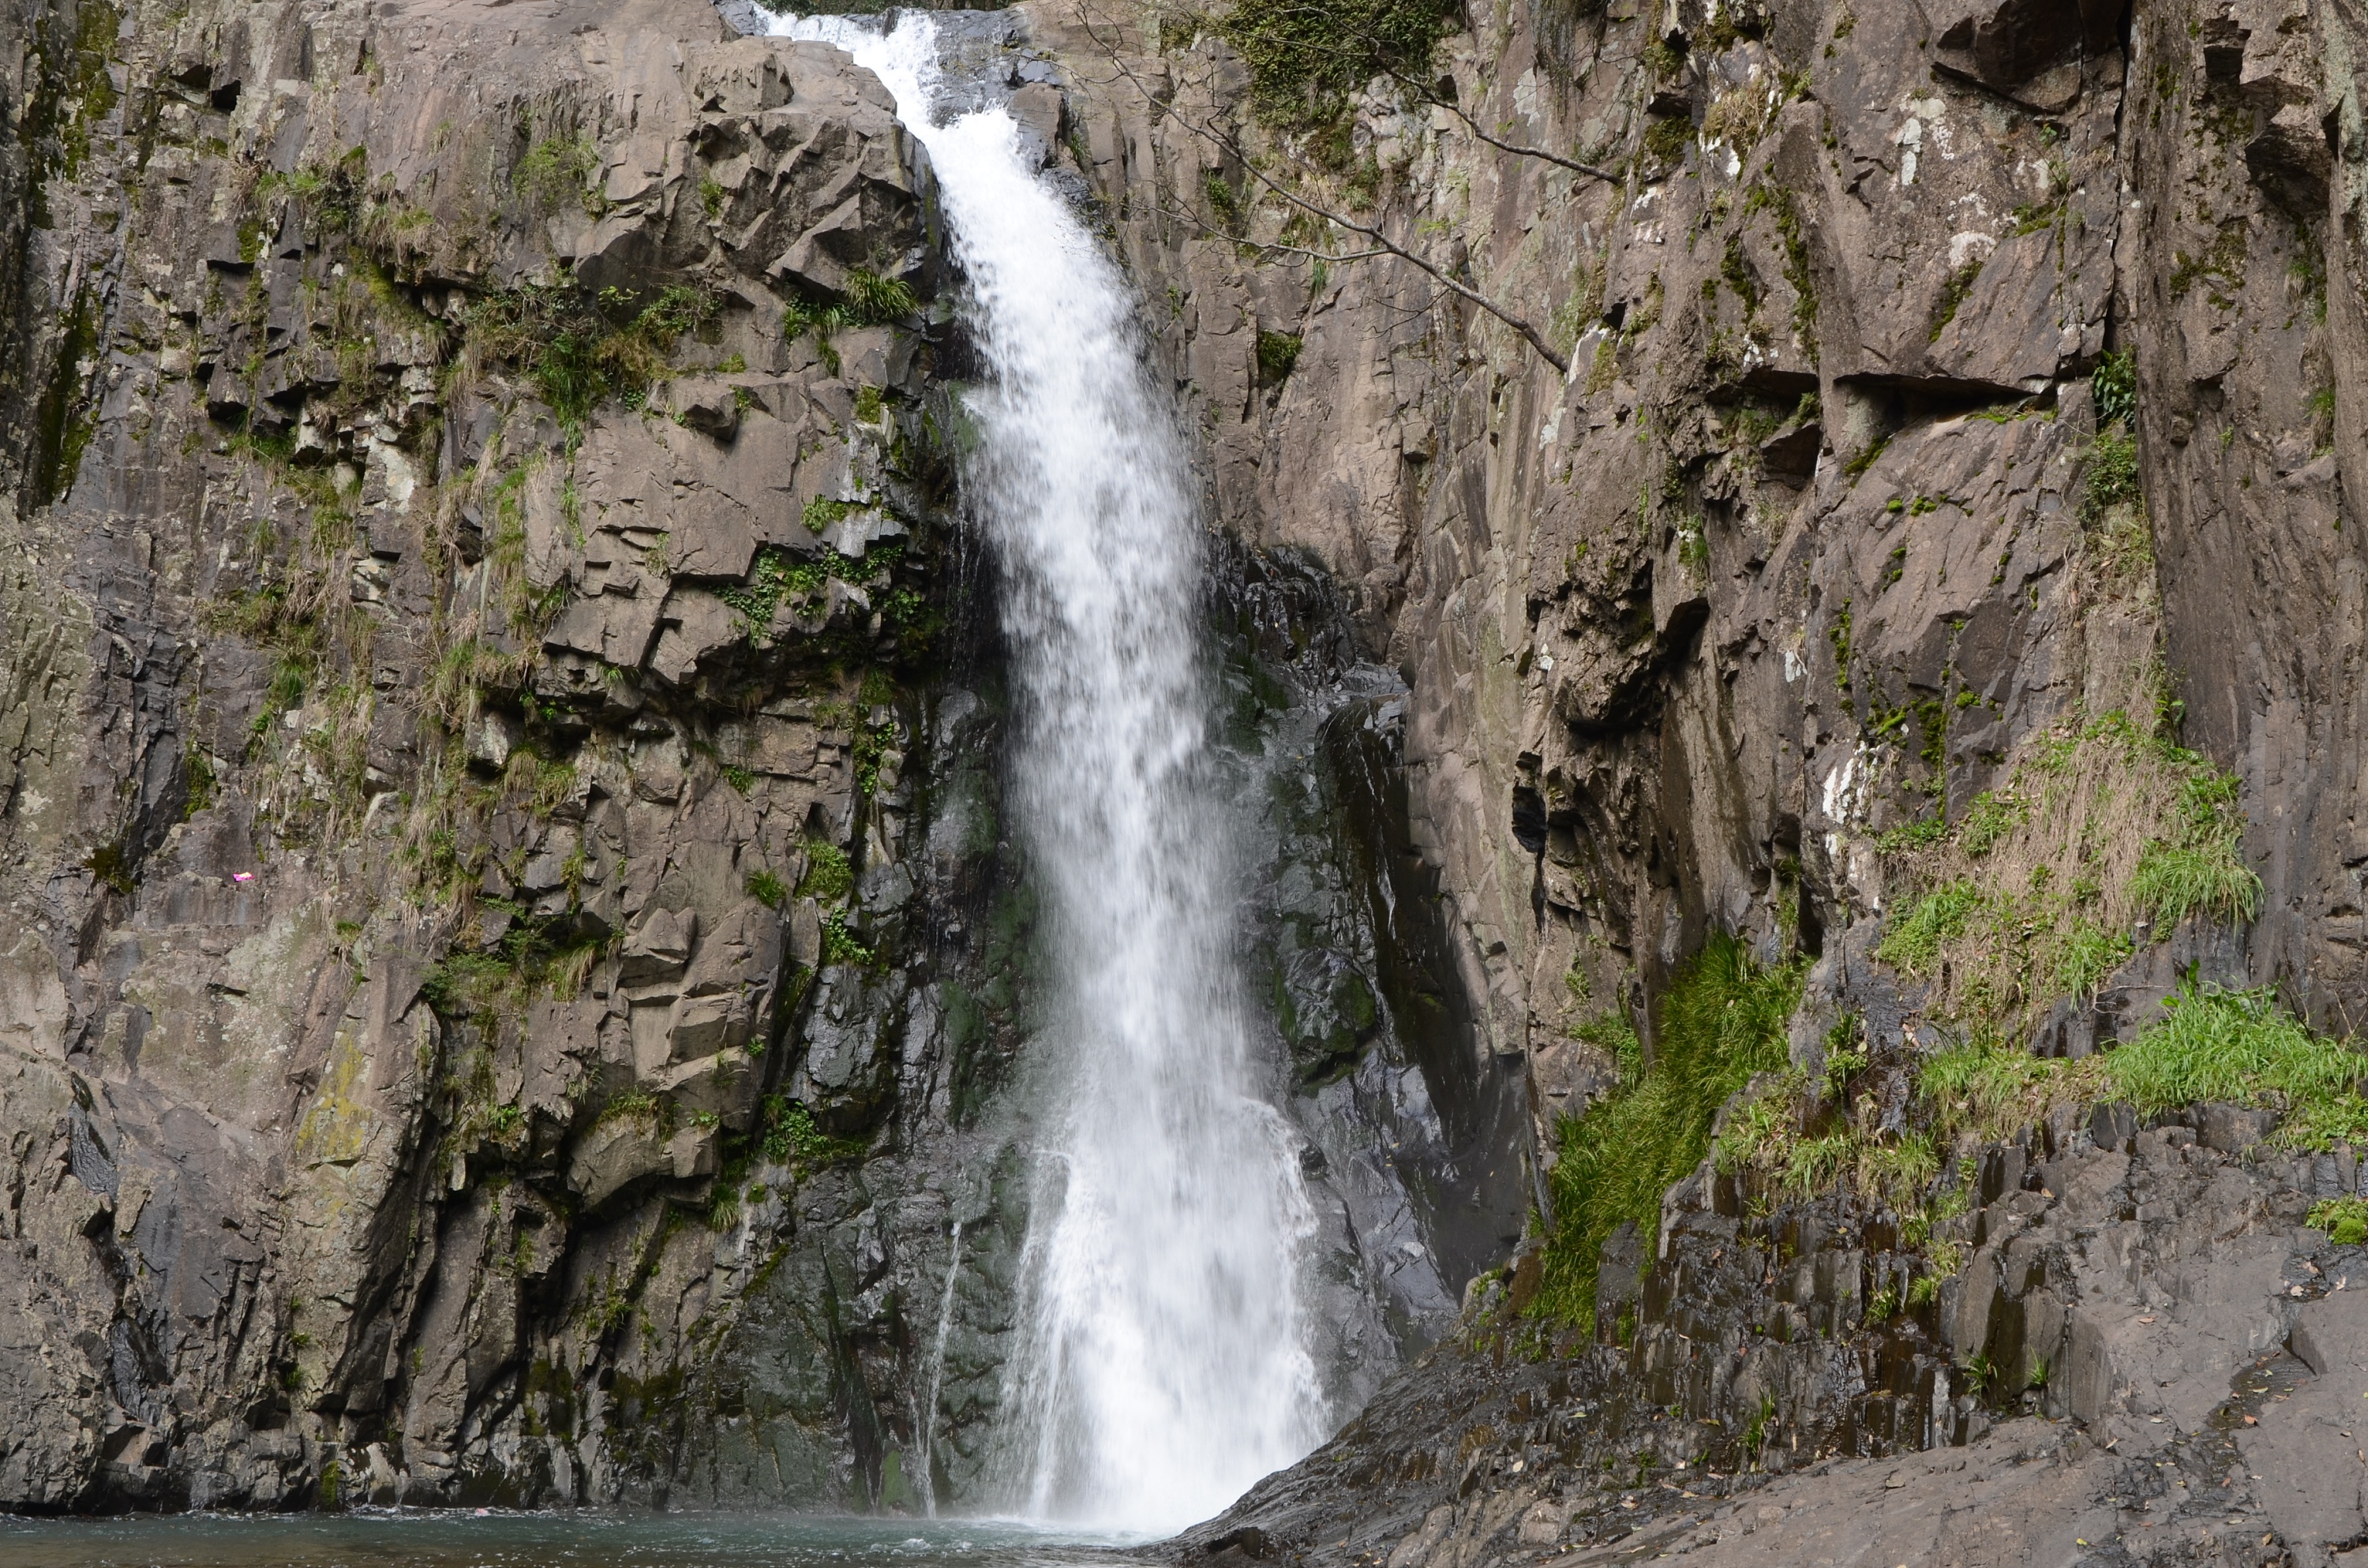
[(1166, 1362)]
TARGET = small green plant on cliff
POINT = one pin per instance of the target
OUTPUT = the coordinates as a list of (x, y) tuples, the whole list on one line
[(840, 945), (558, 169), (535, 956), (2242, 1047), (290, 625), (1800, 1138), (829, 878), (2112, 506), (2197, 867), (1721, 1021), (792, 1139), (2345, 1221), (1277, 353), (1866, 457), (2115, 389), (866, 300), (2112, 475), (874, 301), (776, 576), (824, 513), (579, 349)]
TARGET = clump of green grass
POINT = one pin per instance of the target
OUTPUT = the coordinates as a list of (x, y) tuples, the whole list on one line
[(1722, 1021), (1612, 1033), (2105, 837), (874, 301), (2199, 867), (1990, 818), (2115, 385), (829, 877), (1990, 1089), (534, 957), (2210, 1045), (867, 300), (2345, 1221), (1277, 353), (1914, 942), (824, 513), (558, 168), (2112, 504), (2242, 1047), (2112, 475), (1918, 834), (580, 350), (792, 1139), (1785, 1135)]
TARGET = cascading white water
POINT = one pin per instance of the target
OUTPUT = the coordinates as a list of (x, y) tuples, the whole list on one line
[(1166, 1363)]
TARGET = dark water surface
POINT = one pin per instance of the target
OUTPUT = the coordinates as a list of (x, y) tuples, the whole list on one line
[(461, 1538)]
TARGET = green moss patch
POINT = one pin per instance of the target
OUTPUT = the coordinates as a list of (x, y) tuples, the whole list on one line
[(1308, 63), (1721, 1022)]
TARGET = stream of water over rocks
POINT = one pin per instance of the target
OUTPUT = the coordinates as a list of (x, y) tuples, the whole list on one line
[(1164, 1362)]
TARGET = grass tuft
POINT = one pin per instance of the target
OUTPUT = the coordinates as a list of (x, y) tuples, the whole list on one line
[(2115, 384), (2210, 1045), (2242, 1047), (579, 349), (2345, 1220), (829, 877), (2104, 838)]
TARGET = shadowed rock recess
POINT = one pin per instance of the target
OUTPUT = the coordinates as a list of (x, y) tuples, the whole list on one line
[(514, 980)]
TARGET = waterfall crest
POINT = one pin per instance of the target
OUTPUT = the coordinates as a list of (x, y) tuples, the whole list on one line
[(1164, 1362)]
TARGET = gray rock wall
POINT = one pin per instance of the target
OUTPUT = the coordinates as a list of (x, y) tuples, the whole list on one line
[(2155, 1316), (511, 982), (416, 755), (1804, 545), (516, 987)]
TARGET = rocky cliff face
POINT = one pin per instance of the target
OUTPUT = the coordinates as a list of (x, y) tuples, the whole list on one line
[(1946, 393), (426, 696), (514, 985)]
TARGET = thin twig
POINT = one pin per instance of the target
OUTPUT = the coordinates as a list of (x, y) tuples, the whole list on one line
[(1431, 96)]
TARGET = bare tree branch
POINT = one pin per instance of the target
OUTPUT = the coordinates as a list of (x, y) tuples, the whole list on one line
[(1381, 242)]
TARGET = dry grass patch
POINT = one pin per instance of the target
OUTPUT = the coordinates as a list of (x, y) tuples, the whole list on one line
[(2104, 839)]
